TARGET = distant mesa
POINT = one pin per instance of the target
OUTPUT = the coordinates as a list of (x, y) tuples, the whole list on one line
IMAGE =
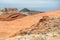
[(25, 10), (29, 12)]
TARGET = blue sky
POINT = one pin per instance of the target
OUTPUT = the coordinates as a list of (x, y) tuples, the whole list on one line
[(40, 5)]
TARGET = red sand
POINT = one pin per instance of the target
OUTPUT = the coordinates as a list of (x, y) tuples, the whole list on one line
[(11, 28)]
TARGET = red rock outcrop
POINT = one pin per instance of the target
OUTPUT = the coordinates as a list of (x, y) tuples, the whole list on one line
[(12, 28), (11, 16)]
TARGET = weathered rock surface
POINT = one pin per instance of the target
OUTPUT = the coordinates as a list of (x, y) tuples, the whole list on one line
[(24, 25), (53, 35), (8, 14), (11, 16), (9, 10)]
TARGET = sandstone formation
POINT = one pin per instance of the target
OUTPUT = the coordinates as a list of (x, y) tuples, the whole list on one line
[(8, 14), (11, 16), (35, 24), (8, 10)]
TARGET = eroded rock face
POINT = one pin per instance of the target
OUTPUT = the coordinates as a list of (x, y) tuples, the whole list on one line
[(45, 31), (9, 10), (8, 14), (11, 16), (44, 25), (34, 24)]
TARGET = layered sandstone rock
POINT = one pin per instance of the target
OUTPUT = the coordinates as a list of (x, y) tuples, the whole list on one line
[(11, 16), (30, 24), (9, 10), (8, 14)]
